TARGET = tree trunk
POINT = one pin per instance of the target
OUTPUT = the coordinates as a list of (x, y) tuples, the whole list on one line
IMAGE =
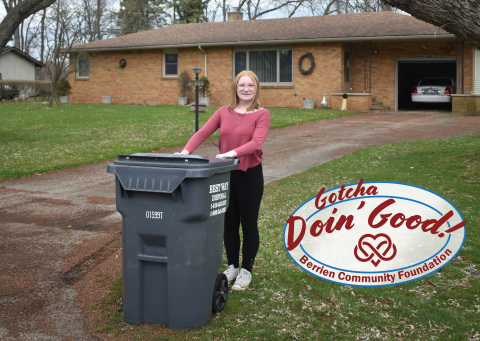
[(42, 37), (98, 19), (16, 38), (459, 17)]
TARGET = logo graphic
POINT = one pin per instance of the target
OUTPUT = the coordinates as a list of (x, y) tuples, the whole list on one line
[(384, 243), (374, 233)]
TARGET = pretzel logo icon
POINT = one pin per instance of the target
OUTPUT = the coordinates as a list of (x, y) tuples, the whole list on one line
[(383, 247)]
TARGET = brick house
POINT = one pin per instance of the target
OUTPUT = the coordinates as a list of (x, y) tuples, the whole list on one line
[(375, 57)]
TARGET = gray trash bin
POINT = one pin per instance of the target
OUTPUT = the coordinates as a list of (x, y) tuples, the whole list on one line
[(173, 208)]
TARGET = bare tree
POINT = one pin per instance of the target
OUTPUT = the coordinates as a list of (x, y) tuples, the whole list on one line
[(16, 14), (459, 17), (64, 31), (97, 18), (257, 8)]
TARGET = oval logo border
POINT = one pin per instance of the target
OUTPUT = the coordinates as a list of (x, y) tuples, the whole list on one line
[(360, 272)]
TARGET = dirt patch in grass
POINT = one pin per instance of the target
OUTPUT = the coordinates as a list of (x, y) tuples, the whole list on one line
[(55, 201), (99, 298), (101, 200), (91, 249)]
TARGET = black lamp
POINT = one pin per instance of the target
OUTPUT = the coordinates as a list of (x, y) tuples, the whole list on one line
[(197, 70)]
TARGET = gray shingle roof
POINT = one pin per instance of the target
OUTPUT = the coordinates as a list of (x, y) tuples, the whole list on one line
[(356, 25)]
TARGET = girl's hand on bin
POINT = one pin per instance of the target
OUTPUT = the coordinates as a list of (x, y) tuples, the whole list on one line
[(231, 153), (184, 152)]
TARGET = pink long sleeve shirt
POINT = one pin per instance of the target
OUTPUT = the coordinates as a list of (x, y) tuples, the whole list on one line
[(242, 133)]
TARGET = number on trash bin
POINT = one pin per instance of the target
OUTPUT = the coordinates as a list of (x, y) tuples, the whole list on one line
[(154, 215)]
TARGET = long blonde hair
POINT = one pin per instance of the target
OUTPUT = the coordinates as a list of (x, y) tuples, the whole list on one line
[(255, 103)]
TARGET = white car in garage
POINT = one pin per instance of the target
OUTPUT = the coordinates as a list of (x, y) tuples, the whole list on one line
[(434, 90)]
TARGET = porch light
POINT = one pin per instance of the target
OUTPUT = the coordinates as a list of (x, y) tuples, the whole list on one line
[(375, 51), (197, 70)]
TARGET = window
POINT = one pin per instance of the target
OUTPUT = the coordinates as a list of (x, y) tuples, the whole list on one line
[(273, 67), (170, 65), (83, 67)]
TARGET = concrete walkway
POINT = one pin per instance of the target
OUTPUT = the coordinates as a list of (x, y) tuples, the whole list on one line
[(54, 226)]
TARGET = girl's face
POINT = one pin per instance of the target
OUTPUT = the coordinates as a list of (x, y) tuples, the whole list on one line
[(246, 89)]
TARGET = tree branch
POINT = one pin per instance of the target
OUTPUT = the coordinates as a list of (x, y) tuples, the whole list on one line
[(16, 15), (459, 17)]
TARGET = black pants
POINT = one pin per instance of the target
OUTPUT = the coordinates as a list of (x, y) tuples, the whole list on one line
[(246, 191)]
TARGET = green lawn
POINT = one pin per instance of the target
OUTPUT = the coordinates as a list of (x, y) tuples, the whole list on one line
[(34, 138), (286, 303)]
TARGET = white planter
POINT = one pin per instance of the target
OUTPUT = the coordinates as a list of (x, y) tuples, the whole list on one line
[(204, 100), (64, 99), (182, 100), (309, 103), (107, 99)]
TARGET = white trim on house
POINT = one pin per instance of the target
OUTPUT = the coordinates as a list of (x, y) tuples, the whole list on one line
[(476, 71), (169, 51), (77, 66)]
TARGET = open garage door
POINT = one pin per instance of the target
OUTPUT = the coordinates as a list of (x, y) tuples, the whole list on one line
[(409, 73)]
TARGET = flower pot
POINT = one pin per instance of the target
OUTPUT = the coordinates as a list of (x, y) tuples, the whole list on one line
[(182, 100), (204, 100), (309, 103), (107, 99), (64, 99)]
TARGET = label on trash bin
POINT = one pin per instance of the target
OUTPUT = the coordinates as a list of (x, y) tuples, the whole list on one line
[(219, 196)]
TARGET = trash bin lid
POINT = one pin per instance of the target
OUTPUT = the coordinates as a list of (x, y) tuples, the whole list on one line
[(173, 161), (154, 172)]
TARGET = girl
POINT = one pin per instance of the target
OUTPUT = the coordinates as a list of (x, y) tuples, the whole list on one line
[(244, 126)]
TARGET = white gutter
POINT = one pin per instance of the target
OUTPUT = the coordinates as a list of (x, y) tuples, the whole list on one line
[(263, 42), (205, 59)]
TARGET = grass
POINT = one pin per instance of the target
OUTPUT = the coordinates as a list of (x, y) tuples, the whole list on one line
[(286, 303), (36, 139)]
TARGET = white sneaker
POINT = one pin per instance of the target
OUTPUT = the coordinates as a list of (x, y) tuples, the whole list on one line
[(243, 280), (231, 273)]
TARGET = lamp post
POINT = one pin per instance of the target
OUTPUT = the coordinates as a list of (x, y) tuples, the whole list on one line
[(197, 70)]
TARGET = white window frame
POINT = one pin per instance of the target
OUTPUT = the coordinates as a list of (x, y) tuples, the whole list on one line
[(165, 52), (269, 48), (77, 64)]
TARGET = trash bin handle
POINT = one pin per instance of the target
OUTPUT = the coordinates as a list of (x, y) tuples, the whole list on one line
[(235, 160)]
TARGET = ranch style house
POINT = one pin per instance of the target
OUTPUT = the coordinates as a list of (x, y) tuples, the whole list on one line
[(376, 58)]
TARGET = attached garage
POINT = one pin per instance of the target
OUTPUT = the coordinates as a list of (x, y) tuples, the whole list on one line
[(410, 72)]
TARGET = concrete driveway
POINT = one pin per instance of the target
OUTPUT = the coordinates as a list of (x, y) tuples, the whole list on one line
[(54, 227)]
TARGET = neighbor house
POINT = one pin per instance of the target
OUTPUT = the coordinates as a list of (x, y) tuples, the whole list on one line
[(375, 57), (18, 66)]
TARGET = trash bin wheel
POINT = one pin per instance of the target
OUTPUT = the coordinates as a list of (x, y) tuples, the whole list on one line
[(220, 293)]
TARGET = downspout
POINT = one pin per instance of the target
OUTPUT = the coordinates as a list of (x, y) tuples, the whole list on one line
[(205, 59)]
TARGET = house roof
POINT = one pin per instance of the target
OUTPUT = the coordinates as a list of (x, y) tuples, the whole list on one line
[(12, 49), (369, 25)]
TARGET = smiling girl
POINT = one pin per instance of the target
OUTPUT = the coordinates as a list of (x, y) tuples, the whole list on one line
[(244, 126)]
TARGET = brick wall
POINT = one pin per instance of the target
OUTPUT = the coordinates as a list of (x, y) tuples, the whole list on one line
[(324, 79), (383, 65), (141, 80), (465, 104), (354, 102)]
